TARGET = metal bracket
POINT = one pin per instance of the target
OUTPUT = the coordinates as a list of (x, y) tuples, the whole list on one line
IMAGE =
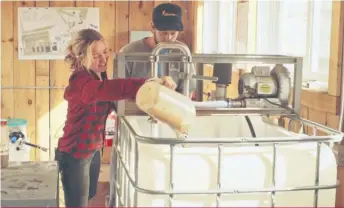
[(183, 59), (184, 75)]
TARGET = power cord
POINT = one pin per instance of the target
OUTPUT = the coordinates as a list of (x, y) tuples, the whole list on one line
[(279, 105), (249, 122), (287, 108)]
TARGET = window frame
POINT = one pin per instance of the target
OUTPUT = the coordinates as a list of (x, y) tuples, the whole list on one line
[(309, 72), (232, 43)]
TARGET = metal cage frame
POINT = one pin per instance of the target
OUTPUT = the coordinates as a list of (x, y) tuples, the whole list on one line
[(127, 140)]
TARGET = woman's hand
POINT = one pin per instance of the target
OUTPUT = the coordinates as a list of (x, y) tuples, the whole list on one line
[(168, 82)]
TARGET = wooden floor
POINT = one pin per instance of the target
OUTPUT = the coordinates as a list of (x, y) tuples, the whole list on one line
[(102, 189)]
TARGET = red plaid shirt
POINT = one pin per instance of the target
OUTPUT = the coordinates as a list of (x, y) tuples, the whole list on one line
[(89, 104)]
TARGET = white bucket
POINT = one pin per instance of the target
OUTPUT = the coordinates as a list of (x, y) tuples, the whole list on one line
[(18, 152)]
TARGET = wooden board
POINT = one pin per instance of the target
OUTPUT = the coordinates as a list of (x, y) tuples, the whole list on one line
[(318, 117), (336, 52), (121, 24), (24, 72), (332, 121), (7, 52), (319, 101), (59, 74), (140, 17), (107, 13), (185, 36), (42, 103)]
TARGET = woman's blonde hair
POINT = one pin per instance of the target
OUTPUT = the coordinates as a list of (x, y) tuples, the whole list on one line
[(79, 54)]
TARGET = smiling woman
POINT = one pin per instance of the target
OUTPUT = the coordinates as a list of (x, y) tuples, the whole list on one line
[(89, 50), (89, 95), (100, 56)]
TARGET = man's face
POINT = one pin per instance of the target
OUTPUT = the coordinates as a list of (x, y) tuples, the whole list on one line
[(164, 36)]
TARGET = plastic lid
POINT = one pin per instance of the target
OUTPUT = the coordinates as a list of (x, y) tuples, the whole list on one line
[(13, 139), (16, 122), (3, 122)]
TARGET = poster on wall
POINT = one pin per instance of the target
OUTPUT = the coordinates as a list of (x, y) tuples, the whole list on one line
[(44, 33)]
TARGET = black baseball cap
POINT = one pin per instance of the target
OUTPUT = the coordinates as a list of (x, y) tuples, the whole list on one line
[(167, 17)]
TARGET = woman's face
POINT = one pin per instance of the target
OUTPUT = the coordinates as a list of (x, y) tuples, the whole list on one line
[(99, 56)]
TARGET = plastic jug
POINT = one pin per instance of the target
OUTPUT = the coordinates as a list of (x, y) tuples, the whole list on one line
[(166, 105)]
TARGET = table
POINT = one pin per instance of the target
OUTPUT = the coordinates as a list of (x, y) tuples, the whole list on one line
[(30, 184)]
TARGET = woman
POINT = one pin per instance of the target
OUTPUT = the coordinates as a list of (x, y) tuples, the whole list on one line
[(89, 95)]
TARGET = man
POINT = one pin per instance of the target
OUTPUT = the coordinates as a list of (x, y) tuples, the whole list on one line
[(166, 25)]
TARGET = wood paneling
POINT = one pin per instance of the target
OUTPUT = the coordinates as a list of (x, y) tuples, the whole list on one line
[(121, 24), (7, 52), (320, 101), (336, 52), (24, 75), (42, 101), (45, 109), (140, 14)]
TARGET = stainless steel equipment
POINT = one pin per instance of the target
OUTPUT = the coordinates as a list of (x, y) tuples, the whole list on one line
[(256, 90), (262, 87), (185, 75)]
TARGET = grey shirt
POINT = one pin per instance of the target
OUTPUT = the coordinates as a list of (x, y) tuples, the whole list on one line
[(143, 69)]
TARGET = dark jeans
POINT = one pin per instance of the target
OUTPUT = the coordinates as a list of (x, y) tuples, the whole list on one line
[(79, 177)]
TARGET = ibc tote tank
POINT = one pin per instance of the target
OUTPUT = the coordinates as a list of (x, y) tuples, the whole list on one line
[(243, 167)]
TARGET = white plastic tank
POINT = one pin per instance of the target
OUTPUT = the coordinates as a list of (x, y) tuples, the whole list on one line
[(243, 167)]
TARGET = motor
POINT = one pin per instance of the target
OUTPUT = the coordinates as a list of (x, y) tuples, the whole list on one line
[(261, 88), (261, 84), (18, 139)]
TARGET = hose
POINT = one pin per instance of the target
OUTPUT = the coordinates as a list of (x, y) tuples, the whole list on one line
[(250, 126), (249, 123)]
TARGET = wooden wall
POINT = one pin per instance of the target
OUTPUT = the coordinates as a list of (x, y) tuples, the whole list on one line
[(45, 109)]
